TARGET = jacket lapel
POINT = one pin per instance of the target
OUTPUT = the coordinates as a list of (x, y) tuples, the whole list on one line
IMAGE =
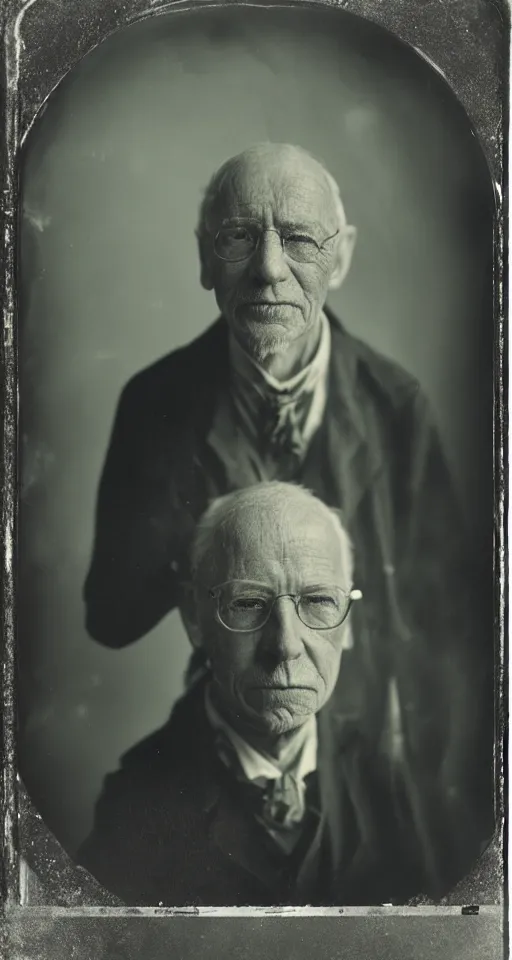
[(352, 458), (206, 378)]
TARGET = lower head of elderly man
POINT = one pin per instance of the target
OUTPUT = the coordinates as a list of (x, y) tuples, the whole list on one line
[(251, 794)]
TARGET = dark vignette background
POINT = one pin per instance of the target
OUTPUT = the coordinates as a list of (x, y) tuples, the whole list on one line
[(111, 179)]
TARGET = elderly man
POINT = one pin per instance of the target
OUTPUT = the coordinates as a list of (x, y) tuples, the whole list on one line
[(249, 795), (278, 389)]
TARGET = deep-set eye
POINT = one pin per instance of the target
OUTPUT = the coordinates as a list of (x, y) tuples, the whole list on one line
[(236, 233), (234, 243), (318, 600), (299, 238), (247, 603), (300, 247)]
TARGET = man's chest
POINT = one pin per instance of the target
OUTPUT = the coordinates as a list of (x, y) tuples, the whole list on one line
[(219, 856)]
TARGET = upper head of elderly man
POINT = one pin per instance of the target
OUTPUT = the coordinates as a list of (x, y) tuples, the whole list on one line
[(273, 241), (250, 794)]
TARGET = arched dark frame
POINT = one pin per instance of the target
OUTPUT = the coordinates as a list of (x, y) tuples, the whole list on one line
[(20, 118)]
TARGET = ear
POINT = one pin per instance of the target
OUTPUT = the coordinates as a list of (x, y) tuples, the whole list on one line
[(205, 259), (343, 259), (189, 615)]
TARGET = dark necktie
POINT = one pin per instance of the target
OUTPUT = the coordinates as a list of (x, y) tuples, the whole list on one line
[(283, 803), (279, 803), (283, 418)]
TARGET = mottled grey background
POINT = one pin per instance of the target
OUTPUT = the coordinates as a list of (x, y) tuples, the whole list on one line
[(112, 178), (297, 938)]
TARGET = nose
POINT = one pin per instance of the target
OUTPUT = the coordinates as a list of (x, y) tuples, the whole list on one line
[(282, 640), (268, 260)]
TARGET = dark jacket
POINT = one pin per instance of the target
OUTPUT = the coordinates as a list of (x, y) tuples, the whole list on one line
[(378, 458), (172, 827)]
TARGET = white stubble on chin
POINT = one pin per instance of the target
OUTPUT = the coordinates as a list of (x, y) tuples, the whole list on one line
[(262, 348), (264, 339)]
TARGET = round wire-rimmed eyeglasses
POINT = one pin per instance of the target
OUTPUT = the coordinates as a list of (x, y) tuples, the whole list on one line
[(243, 606), (238, 242)]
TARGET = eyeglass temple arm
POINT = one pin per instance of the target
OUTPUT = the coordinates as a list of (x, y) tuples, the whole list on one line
[(353, 595), (333, 235)]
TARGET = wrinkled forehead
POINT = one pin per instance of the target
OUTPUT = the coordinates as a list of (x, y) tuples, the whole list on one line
[(289, 185), (291, 536)]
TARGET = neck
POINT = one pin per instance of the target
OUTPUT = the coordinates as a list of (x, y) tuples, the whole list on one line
[(285, 364)]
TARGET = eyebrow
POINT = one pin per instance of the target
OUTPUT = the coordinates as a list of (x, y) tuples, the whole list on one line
[(306, 588), (302, 225), (284, 225)]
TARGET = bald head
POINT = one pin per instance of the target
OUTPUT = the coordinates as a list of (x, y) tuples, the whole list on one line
[(265, 523), (261, 161)]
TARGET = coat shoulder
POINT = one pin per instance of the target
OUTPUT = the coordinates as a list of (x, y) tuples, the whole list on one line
[(386, 376), (180, 371), (375, 372), (178, 743), (170, 767)]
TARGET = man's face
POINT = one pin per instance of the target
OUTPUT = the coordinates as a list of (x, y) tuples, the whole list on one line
[(269, 300), (270, 680)]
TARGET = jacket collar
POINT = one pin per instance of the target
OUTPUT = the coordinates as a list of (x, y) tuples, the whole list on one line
[(353, 459)]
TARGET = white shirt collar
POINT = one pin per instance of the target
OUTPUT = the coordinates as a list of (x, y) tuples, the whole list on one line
[(260, 767)]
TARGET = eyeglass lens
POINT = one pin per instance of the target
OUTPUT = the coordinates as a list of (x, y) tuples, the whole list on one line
[(239, 242), (320, 610)]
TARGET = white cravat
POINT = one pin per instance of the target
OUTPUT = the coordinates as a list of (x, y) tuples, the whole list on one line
[(253, 386), (236, 435)]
